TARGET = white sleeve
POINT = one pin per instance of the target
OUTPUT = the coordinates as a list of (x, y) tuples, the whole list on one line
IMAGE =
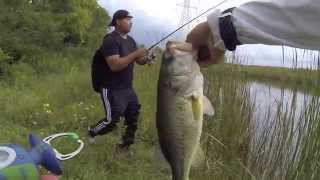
[(283, 22)]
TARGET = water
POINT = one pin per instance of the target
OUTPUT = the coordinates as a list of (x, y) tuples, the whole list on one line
[(270, 103), (262, 132), (278, 126)]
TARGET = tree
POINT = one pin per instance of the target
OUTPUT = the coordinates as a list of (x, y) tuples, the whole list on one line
[(32, 27)]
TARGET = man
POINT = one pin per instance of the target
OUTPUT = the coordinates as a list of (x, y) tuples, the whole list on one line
[(119, 52), (282, 22)]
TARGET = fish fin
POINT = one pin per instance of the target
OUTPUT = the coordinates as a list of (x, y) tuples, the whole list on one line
[(196, 107), (198, 157), (207, 106)]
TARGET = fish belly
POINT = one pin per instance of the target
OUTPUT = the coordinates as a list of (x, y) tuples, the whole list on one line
[(178, 131)]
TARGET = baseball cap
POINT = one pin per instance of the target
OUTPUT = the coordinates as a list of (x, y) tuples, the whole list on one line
[(120, 14)]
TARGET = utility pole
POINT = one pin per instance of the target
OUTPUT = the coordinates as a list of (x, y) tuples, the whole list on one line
[(187, 14)]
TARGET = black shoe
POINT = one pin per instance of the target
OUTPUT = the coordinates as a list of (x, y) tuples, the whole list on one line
[(91, 135)]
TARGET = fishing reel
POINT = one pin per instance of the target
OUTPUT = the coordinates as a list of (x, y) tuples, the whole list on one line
[(151, 58), (20, 164), (148, 59)]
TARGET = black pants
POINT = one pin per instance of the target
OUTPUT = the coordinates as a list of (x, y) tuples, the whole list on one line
[(119, 103)]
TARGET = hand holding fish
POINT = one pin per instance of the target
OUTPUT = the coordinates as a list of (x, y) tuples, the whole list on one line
[(201, 39)]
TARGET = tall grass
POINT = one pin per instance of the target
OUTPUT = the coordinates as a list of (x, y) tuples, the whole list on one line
[(226, 137), (277, 145), (64, 101), (245, 142), (285, 147)]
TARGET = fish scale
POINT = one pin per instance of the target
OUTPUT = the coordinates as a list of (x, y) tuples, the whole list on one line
[(179, 107)]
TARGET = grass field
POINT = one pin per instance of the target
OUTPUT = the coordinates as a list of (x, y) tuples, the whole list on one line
[(64, 101)]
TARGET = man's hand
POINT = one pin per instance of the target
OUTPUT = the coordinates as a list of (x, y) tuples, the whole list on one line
[(140, 53), (148, 59), (202, 39), (199, 35), (117, 63)]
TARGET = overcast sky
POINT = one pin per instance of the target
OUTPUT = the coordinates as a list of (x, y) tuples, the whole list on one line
[(155, 19), (164, 10)]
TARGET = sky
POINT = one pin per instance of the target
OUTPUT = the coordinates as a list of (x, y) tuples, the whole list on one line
[(168, 11), (153, 19)]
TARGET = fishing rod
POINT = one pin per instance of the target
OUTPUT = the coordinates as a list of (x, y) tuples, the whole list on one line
[(164, 38)]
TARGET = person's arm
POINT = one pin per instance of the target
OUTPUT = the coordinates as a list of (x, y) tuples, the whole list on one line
[(111, 51), (141, 60), (282, 22), (117, 63)]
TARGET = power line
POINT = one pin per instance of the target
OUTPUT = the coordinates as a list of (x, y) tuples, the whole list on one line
[(187, 23)]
